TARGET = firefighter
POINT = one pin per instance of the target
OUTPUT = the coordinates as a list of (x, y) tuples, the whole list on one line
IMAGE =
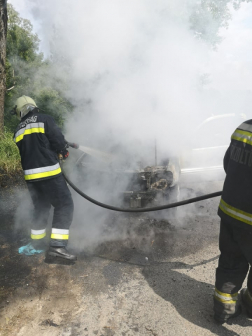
[(235, 211), (40, 142)]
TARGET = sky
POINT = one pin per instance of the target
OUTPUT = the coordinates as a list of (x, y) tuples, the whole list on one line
[(232, 63)]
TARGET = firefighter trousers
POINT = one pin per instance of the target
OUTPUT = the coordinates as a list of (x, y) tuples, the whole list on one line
[(236, 256), (44, 194)]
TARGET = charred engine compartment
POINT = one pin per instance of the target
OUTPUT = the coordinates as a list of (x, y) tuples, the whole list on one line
[(142, 187), (153, 184)]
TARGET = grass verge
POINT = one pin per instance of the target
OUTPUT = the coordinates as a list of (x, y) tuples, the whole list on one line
[(9, 156)]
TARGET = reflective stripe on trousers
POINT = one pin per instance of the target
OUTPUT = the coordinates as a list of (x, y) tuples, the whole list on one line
[(60, 234), (224, 297), (36, 173), (38, 234)]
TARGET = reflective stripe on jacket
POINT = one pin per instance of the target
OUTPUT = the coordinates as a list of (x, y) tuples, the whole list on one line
[(28, 129), (236, 213), (39, 139), (236, 202), (38, 173)]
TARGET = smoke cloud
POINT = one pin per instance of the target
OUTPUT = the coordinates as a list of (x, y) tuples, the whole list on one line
[(139, 75)]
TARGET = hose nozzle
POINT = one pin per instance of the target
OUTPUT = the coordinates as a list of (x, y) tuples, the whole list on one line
[(73, 145)]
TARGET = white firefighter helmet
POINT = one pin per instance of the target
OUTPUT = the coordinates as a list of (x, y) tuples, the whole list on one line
[(24, 105)]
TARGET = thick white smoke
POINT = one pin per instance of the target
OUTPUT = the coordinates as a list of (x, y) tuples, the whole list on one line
[(135, 72), (136, 63)]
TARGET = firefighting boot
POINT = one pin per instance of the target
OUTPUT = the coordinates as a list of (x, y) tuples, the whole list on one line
[(61, 252), (247, 301), (226, 306)]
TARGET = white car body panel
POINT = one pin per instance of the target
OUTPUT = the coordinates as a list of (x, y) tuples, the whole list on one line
[(202, 160)]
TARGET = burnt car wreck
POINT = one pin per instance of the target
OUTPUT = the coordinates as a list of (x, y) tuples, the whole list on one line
[(137, 187), (152, 185)]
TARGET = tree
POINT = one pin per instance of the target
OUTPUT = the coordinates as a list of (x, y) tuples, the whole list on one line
[(3, 32), (28, 73), (211, 15)]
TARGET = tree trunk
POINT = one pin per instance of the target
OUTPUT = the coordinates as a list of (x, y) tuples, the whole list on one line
[(3, 33)]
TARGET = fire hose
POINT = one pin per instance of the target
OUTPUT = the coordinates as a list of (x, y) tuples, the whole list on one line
[(156, 208)]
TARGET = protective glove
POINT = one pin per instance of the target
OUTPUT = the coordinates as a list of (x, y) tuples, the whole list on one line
[(63, 154)]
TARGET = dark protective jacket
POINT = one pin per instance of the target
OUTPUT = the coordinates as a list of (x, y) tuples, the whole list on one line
[(236, 202), (39, 139)]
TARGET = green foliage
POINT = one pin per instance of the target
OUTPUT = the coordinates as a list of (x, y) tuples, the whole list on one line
[(21, 42), (9, 154), (50, 100), (27, 73), (211, 15)]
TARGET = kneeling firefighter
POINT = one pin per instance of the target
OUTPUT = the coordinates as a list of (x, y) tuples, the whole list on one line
[(40, 141)]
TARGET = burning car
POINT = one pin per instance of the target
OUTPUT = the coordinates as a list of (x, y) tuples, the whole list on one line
[(142, 185), (138, 187)]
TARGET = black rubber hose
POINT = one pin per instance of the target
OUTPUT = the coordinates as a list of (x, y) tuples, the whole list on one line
[(161, 207)]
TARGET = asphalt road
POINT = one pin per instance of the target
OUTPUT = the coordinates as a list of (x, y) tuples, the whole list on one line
[(154, 277)]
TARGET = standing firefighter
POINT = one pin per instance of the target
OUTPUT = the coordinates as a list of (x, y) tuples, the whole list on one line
[(235, 240), (40, 141)]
